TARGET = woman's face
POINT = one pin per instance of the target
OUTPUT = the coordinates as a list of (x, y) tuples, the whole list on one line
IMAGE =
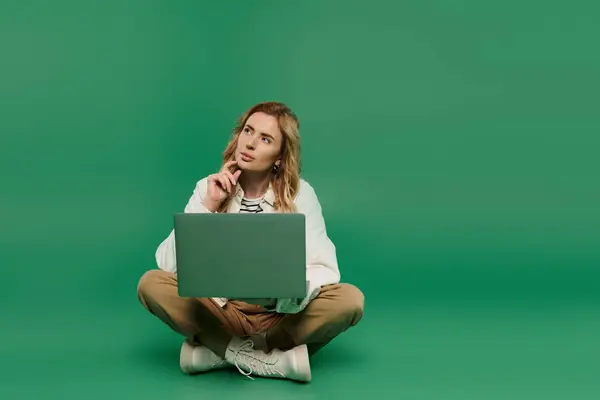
[(259, 143)]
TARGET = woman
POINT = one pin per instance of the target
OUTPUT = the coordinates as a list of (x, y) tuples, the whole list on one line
[(267, 337)]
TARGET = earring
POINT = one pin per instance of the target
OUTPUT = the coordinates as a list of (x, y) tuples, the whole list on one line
[(275, 167)]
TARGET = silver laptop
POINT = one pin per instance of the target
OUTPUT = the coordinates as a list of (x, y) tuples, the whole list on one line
[(241, 255)]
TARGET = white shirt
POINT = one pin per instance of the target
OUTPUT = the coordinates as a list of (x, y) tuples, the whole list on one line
[(321, 260)]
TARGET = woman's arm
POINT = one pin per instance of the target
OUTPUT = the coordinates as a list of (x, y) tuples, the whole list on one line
[(165, 254), (321, 259)]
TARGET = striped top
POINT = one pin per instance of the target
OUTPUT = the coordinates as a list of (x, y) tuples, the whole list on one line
[(251, 206)]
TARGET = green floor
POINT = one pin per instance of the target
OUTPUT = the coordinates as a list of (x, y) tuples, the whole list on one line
[(453, 335), (439, 352)]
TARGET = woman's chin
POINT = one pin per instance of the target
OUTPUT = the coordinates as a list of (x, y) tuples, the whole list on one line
[(243, 165), (249, 166), (249, 169)]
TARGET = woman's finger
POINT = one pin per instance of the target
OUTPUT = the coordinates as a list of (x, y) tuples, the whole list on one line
[(231, 178), (237, 174), (212, 179), (225, 181), (228, 165), (218, 182)]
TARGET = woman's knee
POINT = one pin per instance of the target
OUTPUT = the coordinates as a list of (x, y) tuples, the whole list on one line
[(149, 283), (351, 302)]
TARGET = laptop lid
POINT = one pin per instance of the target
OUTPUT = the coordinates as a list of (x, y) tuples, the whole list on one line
[(241, 255)]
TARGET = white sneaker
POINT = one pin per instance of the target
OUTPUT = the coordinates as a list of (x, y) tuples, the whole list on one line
[(291, 364), (193, 359)]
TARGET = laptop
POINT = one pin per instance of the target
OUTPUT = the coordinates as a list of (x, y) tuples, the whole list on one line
[(241, 255)]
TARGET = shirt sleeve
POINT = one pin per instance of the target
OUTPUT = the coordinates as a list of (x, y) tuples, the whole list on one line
[(165, 253), (322, 266)]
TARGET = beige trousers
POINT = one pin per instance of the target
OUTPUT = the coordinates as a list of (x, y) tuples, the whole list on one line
[(333, 311)]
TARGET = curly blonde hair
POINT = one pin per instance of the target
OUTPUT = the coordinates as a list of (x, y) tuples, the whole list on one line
[(285, 179)]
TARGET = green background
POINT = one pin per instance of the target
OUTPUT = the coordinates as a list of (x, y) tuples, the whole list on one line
[(453, 145)]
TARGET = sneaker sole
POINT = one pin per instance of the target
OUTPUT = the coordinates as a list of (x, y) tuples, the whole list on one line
[(301, 364), (186, 358)]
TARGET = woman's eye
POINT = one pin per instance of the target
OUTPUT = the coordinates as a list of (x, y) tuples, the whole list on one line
[(267, 140)]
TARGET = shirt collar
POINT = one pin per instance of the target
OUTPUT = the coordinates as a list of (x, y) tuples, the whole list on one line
[(269, 196)]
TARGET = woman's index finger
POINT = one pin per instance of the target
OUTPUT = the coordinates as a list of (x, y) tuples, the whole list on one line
[(229, 164)]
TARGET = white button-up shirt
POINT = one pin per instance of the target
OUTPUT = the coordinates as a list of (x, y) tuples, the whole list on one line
[(321, 260)]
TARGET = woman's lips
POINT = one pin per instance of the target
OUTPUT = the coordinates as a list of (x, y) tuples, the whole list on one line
[(247, 157)]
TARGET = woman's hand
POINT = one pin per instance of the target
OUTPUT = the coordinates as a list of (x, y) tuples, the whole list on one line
[(221, 185)]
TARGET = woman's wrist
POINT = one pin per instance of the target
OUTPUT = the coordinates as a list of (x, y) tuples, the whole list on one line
[(210, 206)]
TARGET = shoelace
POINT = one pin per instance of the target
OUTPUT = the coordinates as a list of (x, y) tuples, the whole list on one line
[(218, 363), (264, 367)]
